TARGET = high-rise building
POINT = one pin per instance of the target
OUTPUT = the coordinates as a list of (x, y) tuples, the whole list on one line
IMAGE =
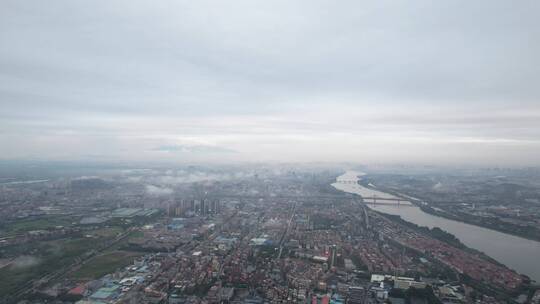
[(215, 207), (333, 253), (204, 206)]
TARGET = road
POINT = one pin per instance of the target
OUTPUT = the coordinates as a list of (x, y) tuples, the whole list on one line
[(284, 236), (31, 285)]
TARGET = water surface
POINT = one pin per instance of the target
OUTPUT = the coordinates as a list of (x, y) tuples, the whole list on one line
[(518, 253)]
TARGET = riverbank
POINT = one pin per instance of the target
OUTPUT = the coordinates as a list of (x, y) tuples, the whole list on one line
[(467, 276), (515, 252), (463, 218), (428, 209), (443, 236)]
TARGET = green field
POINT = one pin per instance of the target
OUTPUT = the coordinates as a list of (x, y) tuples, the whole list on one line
[(135, 234), (47, 256), (38, 258), (108, 231), (104, 264), (37, 224)]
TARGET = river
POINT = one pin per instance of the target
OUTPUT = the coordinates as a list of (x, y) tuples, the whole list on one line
[(520, 254)]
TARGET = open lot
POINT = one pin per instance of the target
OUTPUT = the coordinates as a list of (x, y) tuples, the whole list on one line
[(39, 259), (33, 260), (104, 264), (36, 224)]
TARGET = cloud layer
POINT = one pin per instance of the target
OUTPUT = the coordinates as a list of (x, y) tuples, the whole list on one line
[(367, 81)]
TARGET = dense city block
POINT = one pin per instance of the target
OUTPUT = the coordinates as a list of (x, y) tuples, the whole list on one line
[(229, 235)]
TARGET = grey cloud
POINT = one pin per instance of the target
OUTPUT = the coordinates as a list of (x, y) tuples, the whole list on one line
[(194, 149), (118, 79)]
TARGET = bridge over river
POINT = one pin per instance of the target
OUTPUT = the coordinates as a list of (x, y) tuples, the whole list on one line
[(515, 252)]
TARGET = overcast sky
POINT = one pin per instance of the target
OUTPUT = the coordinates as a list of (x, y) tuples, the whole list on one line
[(452, 82)]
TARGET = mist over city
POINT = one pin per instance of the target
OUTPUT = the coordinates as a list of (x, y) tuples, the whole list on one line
[(264, 152)]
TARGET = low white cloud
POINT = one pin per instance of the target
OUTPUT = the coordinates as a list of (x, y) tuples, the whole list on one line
[(25, 261), (158, 191)]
